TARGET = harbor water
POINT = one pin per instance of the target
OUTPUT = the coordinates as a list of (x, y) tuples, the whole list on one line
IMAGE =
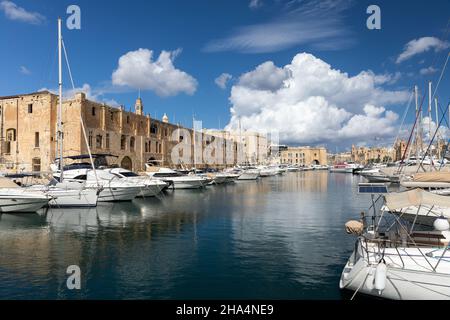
[(280, 237)]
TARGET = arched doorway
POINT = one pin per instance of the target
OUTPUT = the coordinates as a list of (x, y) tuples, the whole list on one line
[(126, 163), (316, 163)]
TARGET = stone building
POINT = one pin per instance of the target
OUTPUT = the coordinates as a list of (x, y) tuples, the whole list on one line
[(304, 156), (255, 146), (28, 133), (365, 155), (339, 158)]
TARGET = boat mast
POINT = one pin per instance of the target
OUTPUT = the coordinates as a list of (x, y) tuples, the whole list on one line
[(430, 118), (60, 130), (437, 123), (417, 115)]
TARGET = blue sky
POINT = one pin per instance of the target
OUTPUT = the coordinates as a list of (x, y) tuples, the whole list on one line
[(204, 39)]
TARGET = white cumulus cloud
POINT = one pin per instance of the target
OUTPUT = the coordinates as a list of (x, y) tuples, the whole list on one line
[(223, 79), (266, 76), (424, 44), (138, 70), (307, 101), (14, 12)]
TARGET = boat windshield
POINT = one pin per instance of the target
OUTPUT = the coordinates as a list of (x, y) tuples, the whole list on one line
[(129, 174), (167, 174)]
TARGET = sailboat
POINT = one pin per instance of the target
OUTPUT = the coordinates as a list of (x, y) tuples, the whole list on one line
[(65, 194), (394, 259)]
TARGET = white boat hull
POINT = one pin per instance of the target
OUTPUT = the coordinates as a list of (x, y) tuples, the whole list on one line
[(73, 198), (151, 190), (9, 205), (108, 193), (248, 176)]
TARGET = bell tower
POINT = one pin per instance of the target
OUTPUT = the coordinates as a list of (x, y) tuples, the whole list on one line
[(139, 107)]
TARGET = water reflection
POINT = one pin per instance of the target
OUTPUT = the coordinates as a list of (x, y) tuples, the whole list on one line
[(280, 237)]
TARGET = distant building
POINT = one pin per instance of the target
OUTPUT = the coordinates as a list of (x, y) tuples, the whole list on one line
[(254, 144), (304, 156), (339, 157), (366, 155)]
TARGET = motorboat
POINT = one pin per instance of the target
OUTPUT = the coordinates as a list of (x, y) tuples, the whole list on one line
[(374, 175), (248, 174), (68, 194), (176, 179), (14, 199), (395, 259), (152, 186), (344, 167), (112, 187), (268, 171)]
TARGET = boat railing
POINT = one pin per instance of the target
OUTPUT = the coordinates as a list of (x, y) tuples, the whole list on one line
[(382, 243)]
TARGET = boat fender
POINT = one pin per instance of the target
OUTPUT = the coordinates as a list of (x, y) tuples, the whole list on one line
[(380, 276), (441, 224)]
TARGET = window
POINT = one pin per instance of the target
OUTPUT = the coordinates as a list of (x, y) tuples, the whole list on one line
[(160, 147), (90, 139), (153, 129), (132, 143), (146, 147), (123, 142), (11, 135), (36, 139), (98, 141), (36, 164), (93, 111), (30, 108), (128, 119), (112, 116), (107, 141), (181, 139)]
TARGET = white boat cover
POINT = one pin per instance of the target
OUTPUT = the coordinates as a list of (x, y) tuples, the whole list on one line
[(6, 183), (416, 197), (436, 176)]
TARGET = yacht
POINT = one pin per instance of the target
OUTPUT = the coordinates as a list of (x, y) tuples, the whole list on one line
[(68, 194), (110, 186), (176, 179), (14, 199), (248, 174), (152, 186), (374, 175), (344, 167), (268, 171), (394, 259)]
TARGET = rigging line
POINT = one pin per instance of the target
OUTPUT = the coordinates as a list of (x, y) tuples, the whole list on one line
[(405, 113), (440, 78), (411, 134), (81, 117), (444, 115), (68, 65)]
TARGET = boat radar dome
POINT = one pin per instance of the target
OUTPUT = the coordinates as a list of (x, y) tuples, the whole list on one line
[(165, 118), (441, 224)]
